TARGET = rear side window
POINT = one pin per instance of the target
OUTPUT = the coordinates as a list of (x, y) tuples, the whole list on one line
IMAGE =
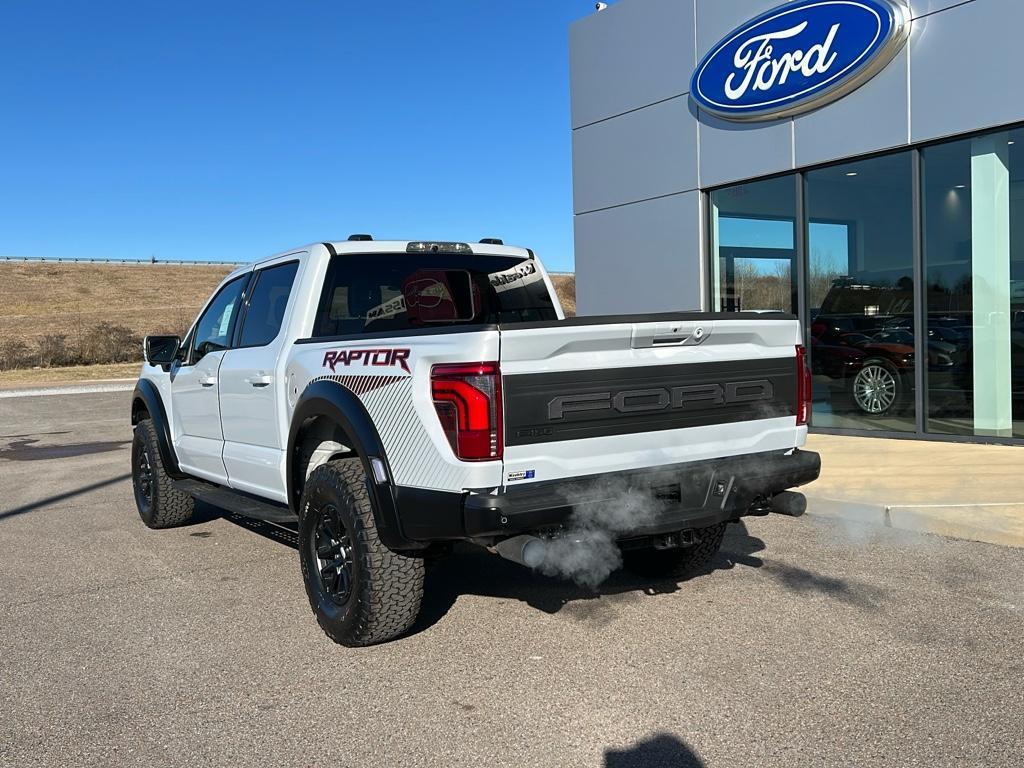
[(401, 291), (267, 302)]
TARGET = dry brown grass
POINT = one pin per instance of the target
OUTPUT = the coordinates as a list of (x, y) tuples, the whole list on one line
[(38, 299), (565, 286), (38, 377)]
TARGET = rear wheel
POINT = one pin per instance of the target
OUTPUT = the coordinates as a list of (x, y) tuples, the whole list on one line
[(666, 563), (159, 503), (360, 591)]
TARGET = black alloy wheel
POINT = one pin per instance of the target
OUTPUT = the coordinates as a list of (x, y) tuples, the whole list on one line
[(333, 551), (361, 592), (142, 477)]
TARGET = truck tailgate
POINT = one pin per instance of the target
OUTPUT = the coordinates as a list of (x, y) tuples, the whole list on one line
[(591, 395)]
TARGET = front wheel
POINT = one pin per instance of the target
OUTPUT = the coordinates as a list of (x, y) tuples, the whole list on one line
[(159, 503), (667, 563), (360, 591)]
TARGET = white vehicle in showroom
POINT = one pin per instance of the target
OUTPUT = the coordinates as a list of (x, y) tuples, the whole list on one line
[(394, 397)]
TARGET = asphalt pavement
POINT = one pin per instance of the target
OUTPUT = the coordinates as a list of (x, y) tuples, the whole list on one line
[(811, 642)]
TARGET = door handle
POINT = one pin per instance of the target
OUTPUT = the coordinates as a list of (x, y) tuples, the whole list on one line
[(260, 381), (208, 381)]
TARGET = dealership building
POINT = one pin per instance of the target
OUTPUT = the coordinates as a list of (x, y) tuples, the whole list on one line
[(857, 163)]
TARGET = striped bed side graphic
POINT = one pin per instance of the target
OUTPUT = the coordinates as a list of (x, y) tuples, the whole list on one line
[(414, 458), (361, 385)]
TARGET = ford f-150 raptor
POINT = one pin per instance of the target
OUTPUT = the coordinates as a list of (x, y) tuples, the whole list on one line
[(393, 397)]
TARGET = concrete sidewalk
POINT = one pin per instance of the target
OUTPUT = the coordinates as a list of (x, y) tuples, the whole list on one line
[(961, 490)]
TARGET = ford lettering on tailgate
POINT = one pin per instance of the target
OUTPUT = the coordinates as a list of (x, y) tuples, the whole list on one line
[(639, 400), (548, 407)]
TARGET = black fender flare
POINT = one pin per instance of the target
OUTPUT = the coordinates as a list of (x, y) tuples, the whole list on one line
[(329, 399), (148, 396)]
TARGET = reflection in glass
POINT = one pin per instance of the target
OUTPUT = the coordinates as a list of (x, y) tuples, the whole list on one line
[(753, 245), (860, 290), (861, 294), (973, 208)]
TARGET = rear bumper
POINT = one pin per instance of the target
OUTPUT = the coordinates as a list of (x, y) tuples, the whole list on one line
[(672, 498)]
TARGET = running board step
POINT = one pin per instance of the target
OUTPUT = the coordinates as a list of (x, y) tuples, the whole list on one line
[(234, 501)]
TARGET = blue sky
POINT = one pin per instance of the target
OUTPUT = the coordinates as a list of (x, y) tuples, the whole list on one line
[(231, 130)]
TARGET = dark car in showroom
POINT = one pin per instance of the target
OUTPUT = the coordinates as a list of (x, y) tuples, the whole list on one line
[(862, 346)]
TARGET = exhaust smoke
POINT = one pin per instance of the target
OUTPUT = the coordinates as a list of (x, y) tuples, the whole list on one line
[(586, 552)]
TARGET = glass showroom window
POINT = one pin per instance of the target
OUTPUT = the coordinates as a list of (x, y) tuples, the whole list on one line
[(860, 244), (753, 246), (973, 208)]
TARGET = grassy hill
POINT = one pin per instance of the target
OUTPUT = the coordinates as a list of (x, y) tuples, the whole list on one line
[(61, 313), (40, 298)]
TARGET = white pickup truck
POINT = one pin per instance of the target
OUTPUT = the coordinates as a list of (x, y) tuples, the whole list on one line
[(394, 397)]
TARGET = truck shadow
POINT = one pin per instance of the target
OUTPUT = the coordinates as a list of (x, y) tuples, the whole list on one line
[(472, 570)]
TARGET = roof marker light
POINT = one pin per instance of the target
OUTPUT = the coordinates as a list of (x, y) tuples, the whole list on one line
[(420, 246)]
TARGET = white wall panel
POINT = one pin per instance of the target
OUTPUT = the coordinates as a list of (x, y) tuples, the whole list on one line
[(872, 118), (731, 151), (716, 18), (632, 54), (647, 153), (642, 257), (965, 69)]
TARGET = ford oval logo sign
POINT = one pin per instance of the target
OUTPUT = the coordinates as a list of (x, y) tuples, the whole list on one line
[(799, 56)]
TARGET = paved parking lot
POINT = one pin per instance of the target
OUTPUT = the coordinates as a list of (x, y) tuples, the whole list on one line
[(809, 643)]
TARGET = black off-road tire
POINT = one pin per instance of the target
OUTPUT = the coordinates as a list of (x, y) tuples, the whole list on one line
[(668, 563), (163, 506), (385, 589)]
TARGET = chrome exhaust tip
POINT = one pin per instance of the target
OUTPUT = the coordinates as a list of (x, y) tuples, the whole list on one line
[(525, 550)]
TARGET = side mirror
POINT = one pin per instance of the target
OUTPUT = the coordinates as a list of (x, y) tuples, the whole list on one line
[(161, 350)]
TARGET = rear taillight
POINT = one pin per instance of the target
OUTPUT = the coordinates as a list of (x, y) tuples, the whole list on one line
[(467, 398), (803, 387)]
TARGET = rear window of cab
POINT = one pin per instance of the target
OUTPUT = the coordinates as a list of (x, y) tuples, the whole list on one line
[(367, 293)]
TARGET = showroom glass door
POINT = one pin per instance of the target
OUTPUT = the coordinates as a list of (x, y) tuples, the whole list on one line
[(861, 327), (973, 212)]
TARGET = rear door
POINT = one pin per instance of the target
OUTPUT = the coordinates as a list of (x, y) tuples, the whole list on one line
[(253, 387), (195, 386), (592, 395)]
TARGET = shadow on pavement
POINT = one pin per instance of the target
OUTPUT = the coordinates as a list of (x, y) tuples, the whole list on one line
[(472, 570), (662, 750), (28, 449), (799, 580), (62, 496)]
